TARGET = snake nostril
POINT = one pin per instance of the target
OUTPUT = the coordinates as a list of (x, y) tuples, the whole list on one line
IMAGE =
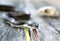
[(46, 11)]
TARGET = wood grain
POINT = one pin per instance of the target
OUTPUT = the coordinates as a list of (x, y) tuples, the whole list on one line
[(49, 28)]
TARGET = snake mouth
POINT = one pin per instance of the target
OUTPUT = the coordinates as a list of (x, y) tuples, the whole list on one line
[(17, 17)]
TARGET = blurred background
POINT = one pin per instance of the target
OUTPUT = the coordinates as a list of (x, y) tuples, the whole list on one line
[(49, 28)]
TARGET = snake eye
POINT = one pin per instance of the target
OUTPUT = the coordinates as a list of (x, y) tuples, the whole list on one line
[(46, 11)]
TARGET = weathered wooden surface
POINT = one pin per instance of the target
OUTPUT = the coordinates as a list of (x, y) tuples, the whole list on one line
[(49, 28)]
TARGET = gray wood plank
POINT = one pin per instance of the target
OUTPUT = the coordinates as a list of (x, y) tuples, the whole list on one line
[(49, 28)]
